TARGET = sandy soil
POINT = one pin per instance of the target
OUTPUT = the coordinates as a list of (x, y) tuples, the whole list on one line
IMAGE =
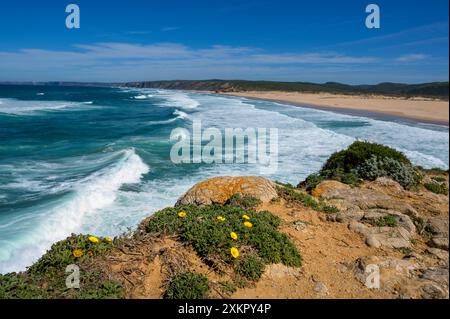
[(420, 109)]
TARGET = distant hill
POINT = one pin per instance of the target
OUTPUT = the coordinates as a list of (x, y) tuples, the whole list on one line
[(432, 90)]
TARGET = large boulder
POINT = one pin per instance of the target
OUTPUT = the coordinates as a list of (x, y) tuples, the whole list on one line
[(218, 190)]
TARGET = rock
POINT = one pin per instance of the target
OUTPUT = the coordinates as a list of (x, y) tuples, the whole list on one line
[(438, 275), (360, 199), (328, 187), (439, 227), (218, 190), (403, 220), (387, 184), (372, 241), (320, 288), (403, 277), (392, 237), (440, 254)]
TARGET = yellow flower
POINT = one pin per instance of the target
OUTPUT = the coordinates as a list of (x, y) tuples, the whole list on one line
[(234, 252), (108, 239), (182, 214), (233, 235), (248, 224), (221, 218), (245, 217), (93, 239), (77, 253)]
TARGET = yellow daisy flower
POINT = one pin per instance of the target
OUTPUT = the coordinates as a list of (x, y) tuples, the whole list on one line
[(248, 224), (221, 218), (93, 239), (234, 252), (182, 214), (108, 239), (246, 217), (233, 235), (77, 253)]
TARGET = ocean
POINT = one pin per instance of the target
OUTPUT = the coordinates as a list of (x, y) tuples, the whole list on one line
[(97, 160)]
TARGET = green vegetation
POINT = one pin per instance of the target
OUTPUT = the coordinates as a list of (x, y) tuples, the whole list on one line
[(189, 285), (47, 277), (367, 161), (439, 179), (423, 228), (387, 221), (289, 193), (312, 181), (208, 229), (434, 89), (406, 251), (437, 188), (228, 287), (246, 202), (251, 268)]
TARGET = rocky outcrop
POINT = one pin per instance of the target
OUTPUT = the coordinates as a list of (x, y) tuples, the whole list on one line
[(218, 190), (368, 208), (405, 277)]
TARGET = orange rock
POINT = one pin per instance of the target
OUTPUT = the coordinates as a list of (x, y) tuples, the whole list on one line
[(218, 190), (326, 186)]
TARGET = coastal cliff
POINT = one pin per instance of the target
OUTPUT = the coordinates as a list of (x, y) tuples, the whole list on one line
[(431, 90), (248, 237)]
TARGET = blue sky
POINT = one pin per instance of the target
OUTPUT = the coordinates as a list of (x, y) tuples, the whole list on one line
[(315, 41)]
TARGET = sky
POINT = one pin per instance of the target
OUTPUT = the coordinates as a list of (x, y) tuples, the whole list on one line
[(283, 40)]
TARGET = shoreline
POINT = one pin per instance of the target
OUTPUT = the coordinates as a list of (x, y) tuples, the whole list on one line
[(312, 100)]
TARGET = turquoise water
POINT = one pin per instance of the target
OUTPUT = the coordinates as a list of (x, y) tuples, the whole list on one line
[(96, 160)]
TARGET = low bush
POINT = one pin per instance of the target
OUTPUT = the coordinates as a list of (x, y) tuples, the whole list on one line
[(189, 285), (360, 151), (246, 202), (387, 221), (437, 188), (312, 181), (209, 230), (47, 277), (291, 194), (251, 267), (375, 167), (367, 161)]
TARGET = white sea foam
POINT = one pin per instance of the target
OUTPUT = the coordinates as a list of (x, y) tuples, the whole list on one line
[(31, 234), (40, 93), (178, 99), (19, 107)]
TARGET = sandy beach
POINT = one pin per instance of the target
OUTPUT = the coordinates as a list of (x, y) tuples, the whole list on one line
[(418, 109)]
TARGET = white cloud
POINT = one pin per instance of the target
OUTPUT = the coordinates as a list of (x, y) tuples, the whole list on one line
[(408, 58)]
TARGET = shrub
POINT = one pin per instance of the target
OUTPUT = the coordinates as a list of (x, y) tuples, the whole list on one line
[(368, 161), (376, 167), (358, 152), (211, 237), (246, 202), (251, 268), (18, 286), (291, 194), (439, 179), (189, 285), (312, 181), (437, 188), (61, 253), (387, 221), (47, 278)]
